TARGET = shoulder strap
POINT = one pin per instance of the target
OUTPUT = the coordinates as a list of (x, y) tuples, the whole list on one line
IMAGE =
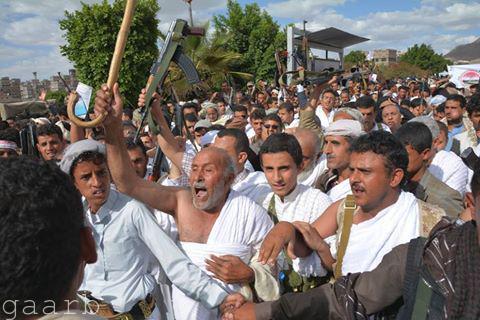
[(349, 208), (272, 211), (412, 276)]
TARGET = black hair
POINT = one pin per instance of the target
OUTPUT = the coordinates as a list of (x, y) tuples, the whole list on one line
[(349, 104), (459, 98), (441, 107), (406, 102), (258, 114), (241, 140), (385, 144), (3, 125), (415, 134), (443, 128), (217, 126), (50, 130), (273, 117), (10, 134), (473, 104), (287, 106), (239, 108), (364, 102), (128, 123), (335, 94), (88, 156), (282, 142), (41, 217), (418, 102), (132, 144), (190, 117), (189, 105), (128, 112), (403, 88)]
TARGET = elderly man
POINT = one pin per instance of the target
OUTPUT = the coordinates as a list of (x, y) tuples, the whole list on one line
[(311, 150), (128, 242), (213, 221), (233, 141), (378, 207), (338, 140), (282, 160)]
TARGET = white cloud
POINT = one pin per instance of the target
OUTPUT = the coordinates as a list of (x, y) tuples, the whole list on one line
[(300, 9), (45, 65)]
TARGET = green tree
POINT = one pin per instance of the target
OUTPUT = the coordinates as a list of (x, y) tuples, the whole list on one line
[(91, 34), (213, 61), (252, 33), (58, 96), (424, 57), (401, 70), (355, 57)]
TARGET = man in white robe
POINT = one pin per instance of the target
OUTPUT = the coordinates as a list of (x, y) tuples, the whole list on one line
[(281, 158), (338, 139), (384, 216), (450, 169), (197, 209)]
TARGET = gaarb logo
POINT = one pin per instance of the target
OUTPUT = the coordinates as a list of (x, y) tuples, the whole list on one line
[(470, 77)]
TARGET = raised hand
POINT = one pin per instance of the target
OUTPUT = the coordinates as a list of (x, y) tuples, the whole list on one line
[(230, 269), (110, 104)]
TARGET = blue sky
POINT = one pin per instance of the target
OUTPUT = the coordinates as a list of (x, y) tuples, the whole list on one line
[(30, 37)]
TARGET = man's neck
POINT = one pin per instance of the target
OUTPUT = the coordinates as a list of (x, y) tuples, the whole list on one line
[(454, 123), (282, 198), (366, 213), (327, 110), (343, 174), (418, 175)]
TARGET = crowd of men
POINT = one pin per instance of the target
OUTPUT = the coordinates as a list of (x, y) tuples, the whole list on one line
[(352, 199)]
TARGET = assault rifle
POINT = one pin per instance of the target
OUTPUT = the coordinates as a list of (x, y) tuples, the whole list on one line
[(170, 52)]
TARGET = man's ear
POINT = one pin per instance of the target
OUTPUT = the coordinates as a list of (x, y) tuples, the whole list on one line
[(87, 246), (397, 177), (242, 157), (426, 154)]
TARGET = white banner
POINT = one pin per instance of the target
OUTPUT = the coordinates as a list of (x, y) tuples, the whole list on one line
[(464, 75)]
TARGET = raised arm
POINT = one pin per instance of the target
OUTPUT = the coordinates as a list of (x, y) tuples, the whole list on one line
[(123, 174), (165, 139)]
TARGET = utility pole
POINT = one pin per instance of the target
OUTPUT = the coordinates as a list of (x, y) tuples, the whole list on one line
[(189, 2), (35, 85)]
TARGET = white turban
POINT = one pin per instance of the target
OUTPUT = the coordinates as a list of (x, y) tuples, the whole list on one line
[(345, 127), (73, 151)]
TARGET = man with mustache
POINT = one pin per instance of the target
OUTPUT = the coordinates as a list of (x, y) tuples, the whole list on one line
[(338, 139), (233, 141), (379, 216), (128, 241), (219, 229)]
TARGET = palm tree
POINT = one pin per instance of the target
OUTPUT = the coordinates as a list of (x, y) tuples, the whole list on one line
[(212, 61)]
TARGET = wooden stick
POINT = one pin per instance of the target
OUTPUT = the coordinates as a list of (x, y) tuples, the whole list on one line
[(114, 66)]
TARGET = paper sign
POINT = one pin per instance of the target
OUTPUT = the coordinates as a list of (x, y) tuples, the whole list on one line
[(464, 75), (84, 95)]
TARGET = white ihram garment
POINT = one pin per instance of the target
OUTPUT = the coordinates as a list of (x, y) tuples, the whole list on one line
[(239, 230), (340, 191), (372, 239)]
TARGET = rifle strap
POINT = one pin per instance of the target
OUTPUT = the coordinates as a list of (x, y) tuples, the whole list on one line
[(349, 208)]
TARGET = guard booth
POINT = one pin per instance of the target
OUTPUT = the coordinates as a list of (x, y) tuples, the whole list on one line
[(324, 48)]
